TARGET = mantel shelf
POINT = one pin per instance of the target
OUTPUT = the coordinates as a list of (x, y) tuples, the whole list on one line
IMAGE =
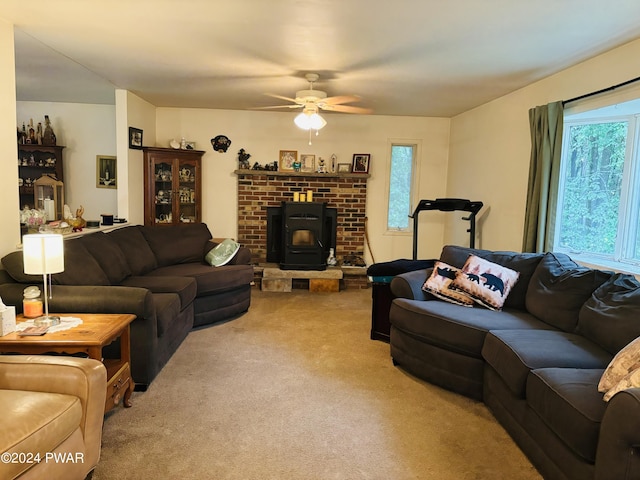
[(271, 173)]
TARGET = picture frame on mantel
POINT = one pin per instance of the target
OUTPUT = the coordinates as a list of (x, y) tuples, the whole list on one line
[(360, 163), (287, 159), (344, 168), (106, 174), (135, 138), (308, 162)]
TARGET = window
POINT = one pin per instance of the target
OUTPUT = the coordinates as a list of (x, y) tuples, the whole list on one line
[(597, 217), (402, 172)]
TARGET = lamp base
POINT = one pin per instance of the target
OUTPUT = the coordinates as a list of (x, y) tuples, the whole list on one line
[(46, 321)]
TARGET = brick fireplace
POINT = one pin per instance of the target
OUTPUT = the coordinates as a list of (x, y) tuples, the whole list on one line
[(346, 192)]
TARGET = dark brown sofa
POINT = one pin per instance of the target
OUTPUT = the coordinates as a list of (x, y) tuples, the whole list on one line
[(155, 273), (536, 363)]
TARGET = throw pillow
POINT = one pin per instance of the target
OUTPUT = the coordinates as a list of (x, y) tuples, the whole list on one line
[(631, 380), (487, 283), (222, 253), (438, 285), (626, 361)]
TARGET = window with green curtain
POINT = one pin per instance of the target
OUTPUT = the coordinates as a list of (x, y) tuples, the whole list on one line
[(400, 186)]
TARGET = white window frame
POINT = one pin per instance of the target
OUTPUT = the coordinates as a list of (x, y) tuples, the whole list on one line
[(415, 182), (629, 208)]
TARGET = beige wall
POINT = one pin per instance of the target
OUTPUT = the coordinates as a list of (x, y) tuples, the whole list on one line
[(9, 211), (264, 134), (490, 145), (132, 111)]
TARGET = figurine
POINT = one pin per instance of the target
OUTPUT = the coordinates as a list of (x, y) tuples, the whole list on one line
[(243, 159), (321, 166)]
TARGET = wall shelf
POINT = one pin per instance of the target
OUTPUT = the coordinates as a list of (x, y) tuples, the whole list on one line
[(279, 173)]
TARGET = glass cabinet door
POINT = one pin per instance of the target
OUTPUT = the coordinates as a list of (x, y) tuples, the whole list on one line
[(187, 192), (163, 183)]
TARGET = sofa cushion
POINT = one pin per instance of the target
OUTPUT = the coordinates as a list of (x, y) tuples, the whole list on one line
[(438, 282), (14, 266), (611, 317), (514, 353), (210, 279), (487, 283), (136, 250), (35, 422), (167, 309), (80, 268), (558, 289), (568, 402), (523, 263), (109, 256), (185, 287), (454, 327), (185, 244)]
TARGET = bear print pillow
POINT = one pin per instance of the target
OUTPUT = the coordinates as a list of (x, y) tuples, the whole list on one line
[(487, 283)]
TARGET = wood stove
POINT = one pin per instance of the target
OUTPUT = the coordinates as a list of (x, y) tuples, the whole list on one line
[(300, 234)]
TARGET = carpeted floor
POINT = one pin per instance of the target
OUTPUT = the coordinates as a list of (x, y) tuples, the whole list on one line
[(295, 390)]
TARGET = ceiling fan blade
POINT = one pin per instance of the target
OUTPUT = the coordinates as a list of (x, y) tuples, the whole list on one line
[(347, 109), (341, 99), (277, 106), (281, 97)]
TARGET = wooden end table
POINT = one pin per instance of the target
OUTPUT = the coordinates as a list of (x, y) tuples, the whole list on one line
[(95, 332)]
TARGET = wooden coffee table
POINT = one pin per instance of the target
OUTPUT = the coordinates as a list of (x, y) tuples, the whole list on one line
[(95, 332)]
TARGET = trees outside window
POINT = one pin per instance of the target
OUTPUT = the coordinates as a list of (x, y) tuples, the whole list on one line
[(403, 158), (597, 210)]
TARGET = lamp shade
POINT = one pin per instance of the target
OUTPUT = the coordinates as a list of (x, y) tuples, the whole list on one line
[(43, 253)]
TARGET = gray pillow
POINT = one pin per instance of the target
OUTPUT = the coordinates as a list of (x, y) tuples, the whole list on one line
[(558, 289), (611, 317)]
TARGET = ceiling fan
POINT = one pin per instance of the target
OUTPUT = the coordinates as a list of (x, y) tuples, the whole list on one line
[(313, 100)]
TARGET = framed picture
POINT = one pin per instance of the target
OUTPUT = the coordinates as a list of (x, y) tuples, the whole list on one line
[(135, 138), (308, 162), (106, 172), (287, 159), (360, 163), (344, 168)]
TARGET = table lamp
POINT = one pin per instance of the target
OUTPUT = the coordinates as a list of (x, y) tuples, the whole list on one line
[(43, 253)]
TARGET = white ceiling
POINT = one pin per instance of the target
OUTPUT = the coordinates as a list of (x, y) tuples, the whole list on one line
[(406, 57)]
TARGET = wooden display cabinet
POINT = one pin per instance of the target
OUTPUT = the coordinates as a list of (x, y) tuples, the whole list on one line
[(33, 162), (172, 186)]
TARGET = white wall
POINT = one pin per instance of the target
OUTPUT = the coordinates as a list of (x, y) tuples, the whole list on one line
[(264, 134), (490, 145), (86, 130), (9, 211), (132, 111)]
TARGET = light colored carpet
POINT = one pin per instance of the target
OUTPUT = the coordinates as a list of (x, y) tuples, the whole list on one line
[(295, 389)]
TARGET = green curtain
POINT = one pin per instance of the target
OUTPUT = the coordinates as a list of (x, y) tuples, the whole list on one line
[(546, 123)]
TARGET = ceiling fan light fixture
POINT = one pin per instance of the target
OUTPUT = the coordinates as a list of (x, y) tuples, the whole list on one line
[(309, 121)]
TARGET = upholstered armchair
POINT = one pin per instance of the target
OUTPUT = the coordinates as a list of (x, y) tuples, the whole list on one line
[(51, 414)]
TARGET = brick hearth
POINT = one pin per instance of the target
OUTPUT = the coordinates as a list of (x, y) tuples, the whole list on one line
[(347, 193)]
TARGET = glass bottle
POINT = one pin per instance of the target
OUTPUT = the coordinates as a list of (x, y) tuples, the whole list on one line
[(32, 302)]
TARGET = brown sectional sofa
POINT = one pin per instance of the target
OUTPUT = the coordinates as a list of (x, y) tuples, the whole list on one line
[(536, 363), (155, 273)]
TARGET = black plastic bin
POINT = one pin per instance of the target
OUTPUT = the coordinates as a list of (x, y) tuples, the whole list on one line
[(381, 275)]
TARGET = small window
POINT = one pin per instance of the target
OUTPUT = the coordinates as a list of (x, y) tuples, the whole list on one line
[(401, 176)]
